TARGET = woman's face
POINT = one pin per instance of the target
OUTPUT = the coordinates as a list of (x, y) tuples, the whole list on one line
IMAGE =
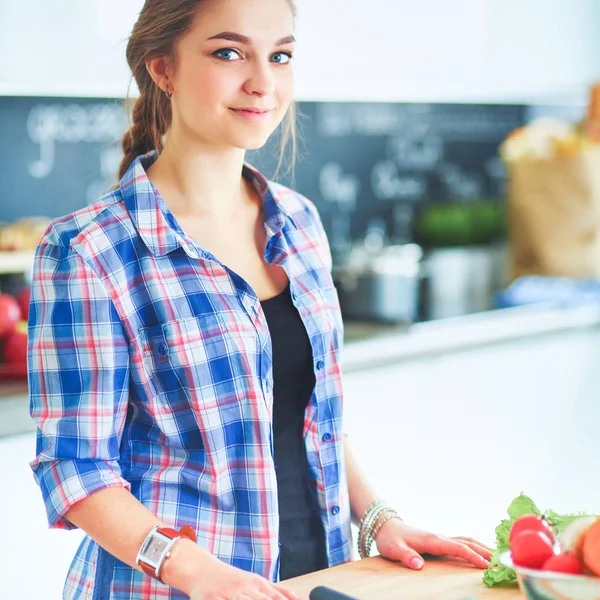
[(232, 77)]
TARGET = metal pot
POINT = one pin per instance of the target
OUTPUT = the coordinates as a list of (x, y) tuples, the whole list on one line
[(380, 285), (462, 280)]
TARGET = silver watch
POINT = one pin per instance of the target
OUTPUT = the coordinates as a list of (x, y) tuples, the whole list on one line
[(156, 549)]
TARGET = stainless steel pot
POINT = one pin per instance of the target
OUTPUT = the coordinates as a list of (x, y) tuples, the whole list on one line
[(462, 280), (380, 285)]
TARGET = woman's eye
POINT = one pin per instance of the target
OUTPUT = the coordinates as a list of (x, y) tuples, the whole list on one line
[(228, 54), (282, 58)]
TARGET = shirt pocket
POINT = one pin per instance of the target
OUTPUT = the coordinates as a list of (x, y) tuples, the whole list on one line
[(201, 378), (201, 360), (169, 352), (179, 354)]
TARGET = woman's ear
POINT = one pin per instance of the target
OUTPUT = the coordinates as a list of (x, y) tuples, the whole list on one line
[(159, 71)]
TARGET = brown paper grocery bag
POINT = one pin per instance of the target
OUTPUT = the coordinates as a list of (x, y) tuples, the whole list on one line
[(554, 215)]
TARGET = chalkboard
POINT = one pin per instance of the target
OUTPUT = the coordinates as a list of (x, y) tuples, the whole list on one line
[(359, 162), (57, 154)]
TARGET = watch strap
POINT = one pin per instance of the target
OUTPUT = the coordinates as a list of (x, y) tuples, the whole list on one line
[(148, 570)]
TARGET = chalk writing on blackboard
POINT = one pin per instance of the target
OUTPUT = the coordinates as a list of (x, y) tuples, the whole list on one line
[(416, 153), (461, 185), (339, 187), (388, 183), (451, 122), (49, 124)]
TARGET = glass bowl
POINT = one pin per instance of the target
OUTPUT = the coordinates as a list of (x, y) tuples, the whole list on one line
[(547, 585)]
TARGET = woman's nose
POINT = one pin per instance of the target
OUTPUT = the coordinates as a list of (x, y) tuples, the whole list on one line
[(261, 81)]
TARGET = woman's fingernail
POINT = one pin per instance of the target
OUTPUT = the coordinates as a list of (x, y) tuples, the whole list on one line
[(416, 562)]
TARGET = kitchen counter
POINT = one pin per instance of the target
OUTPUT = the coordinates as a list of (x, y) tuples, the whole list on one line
[(372, 345), (369, 346), (379, 579)]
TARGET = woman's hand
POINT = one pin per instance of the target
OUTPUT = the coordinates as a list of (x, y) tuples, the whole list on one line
[(230, 583), (398, 541)]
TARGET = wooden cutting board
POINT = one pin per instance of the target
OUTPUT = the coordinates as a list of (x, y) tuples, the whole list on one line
[(379, 579)]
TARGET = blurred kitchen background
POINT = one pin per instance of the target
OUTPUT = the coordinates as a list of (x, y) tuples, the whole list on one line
[(403, 109)]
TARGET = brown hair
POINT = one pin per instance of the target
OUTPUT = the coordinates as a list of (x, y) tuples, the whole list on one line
[(159, 27)]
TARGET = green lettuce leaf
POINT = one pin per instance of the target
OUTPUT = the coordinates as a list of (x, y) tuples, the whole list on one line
[(496, 573), (522, 505)]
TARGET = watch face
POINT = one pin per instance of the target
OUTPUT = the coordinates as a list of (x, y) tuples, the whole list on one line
[(153, 551)]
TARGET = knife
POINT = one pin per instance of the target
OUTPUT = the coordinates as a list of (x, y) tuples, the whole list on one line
[(325, 593)]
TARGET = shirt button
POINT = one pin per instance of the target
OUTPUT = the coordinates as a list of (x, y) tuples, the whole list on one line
[(320, 365), (162, 349), (335, 510), (326, 437)]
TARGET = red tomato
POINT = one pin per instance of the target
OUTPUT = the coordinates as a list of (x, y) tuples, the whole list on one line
[(530, 523), (564, 563), (10, 313), (531, 549)]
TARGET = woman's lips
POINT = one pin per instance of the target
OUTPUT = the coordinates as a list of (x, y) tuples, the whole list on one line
[(251, 114)]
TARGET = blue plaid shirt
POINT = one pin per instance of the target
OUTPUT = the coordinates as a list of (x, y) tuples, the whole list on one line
[(150, 368)]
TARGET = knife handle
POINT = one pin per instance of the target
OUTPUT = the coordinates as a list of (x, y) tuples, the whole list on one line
[(325, 593)]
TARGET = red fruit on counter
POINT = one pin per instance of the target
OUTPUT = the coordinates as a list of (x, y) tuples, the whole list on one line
[(23, 299), (14, 348), (563, 563), (531, 549), (591, 548), (530, 523), (10, 313)]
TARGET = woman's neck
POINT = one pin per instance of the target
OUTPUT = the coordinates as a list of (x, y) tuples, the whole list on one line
[(196, 182)]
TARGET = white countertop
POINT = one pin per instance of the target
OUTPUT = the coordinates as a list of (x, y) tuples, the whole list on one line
[(446, 336)]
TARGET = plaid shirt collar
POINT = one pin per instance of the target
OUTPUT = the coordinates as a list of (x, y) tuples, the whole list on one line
[(157, 225)]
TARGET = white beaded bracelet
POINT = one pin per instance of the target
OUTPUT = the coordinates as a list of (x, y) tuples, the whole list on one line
[(366, 523), (369, 526)]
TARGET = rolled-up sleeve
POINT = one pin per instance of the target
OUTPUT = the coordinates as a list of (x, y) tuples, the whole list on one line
[(78, 371)]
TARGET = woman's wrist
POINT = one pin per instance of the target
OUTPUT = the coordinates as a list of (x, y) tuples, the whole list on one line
[(376, 515), (187, 565)]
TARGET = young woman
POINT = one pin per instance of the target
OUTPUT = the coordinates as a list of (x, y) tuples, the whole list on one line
[(185, 341)]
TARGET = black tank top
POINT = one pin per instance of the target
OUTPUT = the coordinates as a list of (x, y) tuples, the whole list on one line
[(301, 536)]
